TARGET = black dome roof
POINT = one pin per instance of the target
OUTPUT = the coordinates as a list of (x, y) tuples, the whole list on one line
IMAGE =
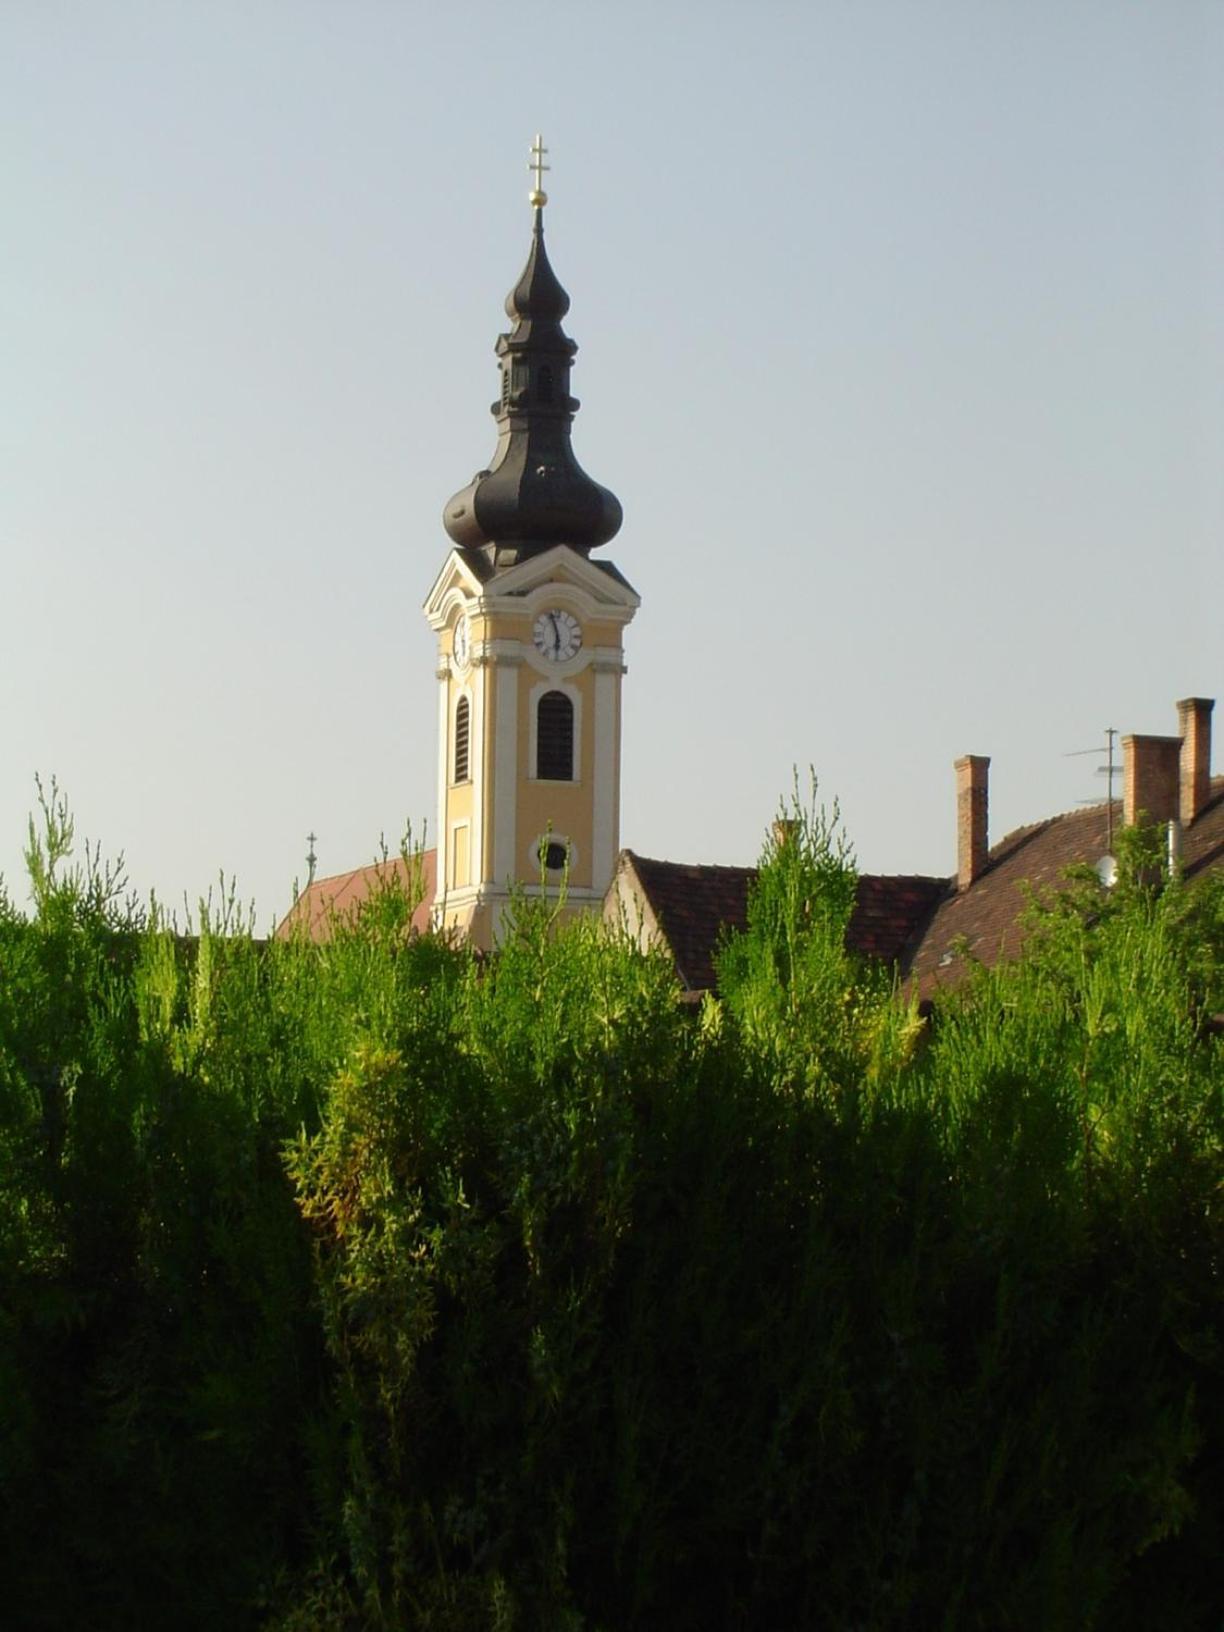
[(535, 493)]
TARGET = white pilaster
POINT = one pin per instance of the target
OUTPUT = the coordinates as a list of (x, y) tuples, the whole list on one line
[(505, 772), (606, 794), (480, 719), (441, 831)]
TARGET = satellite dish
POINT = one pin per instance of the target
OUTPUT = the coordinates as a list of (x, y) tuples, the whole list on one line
[(1107, 871)]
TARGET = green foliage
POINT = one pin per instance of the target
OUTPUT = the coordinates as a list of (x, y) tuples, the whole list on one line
[(367, 1285), (825, 1019)]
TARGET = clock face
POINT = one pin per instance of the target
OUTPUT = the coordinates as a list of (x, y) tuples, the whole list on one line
[(461, 645), (557, 636)]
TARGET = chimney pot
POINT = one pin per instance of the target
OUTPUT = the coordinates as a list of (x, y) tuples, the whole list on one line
[(972, 818), (784, 829), (1194, 722)]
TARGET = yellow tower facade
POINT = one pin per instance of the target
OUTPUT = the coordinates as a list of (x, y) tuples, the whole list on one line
[(529, 728), (530, 635)]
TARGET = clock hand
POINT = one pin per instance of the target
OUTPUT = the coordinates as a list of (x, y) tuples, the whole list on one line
[(552, 618)]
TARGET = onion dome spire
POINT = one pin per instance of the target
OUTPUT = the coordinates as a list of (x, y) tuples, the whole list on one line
[(534, 494)]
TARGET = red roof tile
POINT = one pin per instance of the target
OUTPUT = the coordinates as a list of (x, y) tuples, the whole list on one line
[(692, 904), (696, 904), (985, 918), (889, 911), (342, 895), (915, 922)]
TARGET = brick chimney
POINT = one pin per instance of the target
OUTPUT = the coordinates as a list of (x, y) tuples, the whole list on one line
[(972, 827), (784, 830), (1151, 778), (1194, 720)]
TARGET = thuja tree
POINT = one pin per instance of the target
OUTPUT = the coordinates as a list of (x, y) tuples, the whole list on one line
[(369, 1285), (1080, 1091), (161, 1365), (795, 1313)]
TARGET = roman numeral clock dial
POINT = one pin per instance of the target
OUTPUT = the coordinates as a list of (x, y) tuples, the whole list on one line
[(557, 636)]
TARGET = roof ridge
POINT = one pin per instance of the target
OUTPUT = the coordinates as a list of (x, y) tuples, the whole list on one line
[(705, 866), (369, 866), (909, 878)]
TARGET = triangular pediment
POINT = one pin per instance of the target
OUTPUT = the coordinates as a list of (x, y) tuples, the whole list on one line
[(596, 584), (563, 565), (455, 583)]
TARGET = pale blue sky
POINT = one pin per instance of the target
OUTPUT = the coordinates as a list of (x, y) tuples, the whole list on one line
[(902, 344)]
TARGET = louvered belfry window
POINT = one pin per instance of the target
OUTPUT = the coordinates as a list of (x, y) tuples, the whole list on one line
[(555, 738), (463, 733)]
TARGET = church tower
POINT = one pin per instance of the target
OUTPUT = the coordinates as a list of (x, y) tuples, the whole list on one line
[(530, 640)]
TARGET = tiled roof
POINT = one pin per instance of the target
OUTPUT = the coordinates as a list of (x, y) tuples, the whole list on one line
[(985, 917), (695, 903), (342, 894), (692, 903), (916, 922), (890, 911)]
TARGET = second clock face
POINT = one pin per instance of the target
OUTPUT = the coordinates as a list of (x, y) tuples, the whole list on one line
[(462, 643), (557, 636)]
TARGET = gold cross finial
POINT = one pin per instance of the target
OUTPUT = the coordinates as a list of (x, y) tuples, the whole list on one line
[(538, 197)]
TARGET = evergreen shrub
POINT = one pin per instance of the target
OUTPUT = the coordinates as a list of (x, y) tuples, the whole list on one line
[(368, 1284)]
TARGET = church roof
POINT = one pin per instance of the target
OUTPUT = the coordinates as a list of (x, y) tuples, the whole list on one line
[(342, 896), (918, 923), (535, 493)]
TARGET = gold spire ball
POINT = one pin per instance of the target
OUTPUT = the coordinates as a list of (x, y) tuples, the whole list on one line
[(538, 197)]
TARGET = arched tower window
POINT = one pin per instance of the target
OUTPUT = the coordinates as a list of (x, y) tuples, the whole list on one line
[(544, 383), (463, 735), (555, 738)]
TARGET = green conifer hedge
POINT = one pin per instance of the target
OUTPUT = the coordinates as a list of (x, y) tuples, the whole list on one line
[(368, 1285)]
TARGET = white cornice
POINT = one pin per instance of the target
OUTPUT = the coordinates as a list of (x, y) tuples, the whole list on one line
[(504, 653), (558, 593), (455, 585), (501, 651), (560, 575), (480, 895), (562, 565)]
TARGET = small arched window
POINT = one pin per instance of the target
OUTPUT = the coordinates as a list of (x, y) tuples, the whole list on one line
[(463, 734), (544, 383), (555, 738)]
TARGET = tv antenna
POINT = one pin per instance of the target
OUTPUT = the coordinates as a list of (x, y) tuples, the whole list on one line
[(1110, 769)]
